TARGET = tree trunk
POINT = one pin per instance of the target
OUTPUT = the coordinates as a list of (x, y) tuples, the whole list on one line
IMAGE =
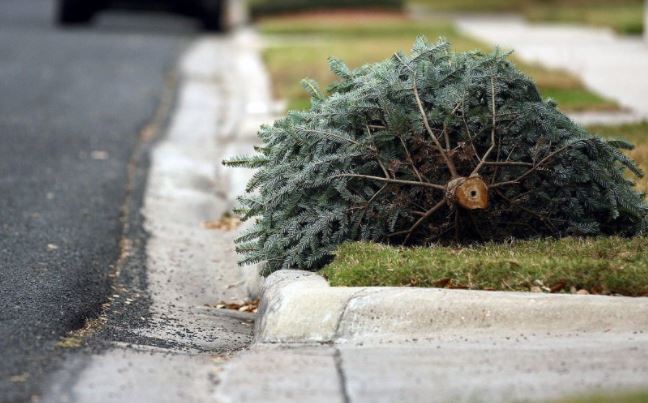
[(470, 193)]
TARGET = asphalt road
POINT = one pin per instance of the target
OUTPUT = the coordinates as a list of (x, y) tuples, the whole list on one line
[(72, 105)]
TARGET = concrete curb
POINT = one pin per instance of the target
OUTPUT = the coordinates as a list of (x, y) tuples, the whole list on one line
[(300, 307)]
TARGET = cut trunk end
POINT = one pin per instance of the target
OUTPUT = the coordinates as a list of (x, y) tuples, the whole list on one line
[(470, 193)]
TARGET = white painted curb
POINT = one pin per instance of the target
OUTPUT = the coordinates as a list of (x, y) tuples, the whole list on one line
[(300, 307)]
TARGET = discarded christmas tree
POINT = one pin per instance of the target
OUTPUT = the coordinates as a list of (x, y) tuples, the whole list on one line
[(431, 147)]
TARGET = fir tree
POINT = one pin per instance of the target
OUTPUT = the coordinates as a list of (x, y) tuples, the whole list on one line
[(430, 147)]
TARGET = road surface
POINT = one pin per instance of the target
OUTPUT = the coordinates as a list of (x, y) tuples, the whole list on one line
[(72, 106)]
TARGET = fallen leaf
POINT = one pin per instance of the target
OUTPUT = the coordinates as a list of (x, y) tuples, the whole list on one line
[(99, 155), (245, 306), (557, 286), (540, 284), (226, 223), (625, 255), (442, 283), (21, 378), (597, 289)]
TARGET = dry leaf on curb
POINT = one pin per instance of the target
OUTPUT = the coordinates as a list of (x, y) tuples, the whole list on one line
[(226, 223), (542, 286), (442, 283), (21, 378), (247, 306), (557, 286), (99, 155)]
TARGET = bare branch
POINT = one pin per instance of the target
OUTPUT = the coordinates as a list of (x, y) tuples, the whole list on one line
[(447, 138), (543, 219), (375, 149), (410, 160), (395, 181), (508, 163), (508, 159), (492, 144), (377, 193), (470, 135), (329, 134), (449, 163), (520, 196), (475, 225), (400, 59), (423, 218), (534, 168)]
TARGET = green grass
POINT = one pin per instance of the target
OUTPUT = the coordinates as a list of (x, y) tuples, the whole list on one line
[(578, 99), (471, 5), (619, 397), (606, 265), (298, 47), (600, 265), (624, 16)]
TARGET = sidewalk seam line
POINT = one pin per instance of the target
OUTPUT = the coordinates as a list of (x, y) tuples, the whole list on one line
[(337, 357)]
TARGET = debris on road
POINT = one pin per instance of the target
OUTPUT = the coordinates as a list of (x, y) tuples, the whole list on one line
[(246, 306), (227, 223)]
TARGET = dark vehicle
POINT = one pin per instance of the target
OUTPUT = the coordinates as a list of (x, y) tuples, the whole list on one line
[(215, 15)]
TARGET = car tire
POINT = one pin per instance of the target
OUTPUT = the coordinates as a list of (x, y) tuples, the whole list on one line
[(75, 12), (213, 15)]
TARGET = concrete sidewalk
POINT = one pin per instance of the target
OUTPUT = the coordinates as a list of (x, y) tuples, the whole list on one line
[(470, 369), (317, 343), (612, 65)]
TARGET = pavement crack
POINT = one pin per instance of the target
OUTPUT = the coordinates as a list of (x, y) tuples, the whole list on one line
[(339, 367), (344, 311)]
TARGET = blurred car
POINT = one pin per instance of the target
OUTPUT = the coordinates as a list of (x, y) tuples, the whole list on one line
[(213, 14)]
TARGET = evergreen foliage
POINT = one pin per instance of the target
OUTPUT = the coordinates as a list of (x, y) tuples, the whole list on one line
[(383, 157)]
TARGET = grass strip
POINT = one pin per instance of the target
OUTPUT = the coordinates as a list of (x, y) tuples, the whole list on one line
[(605, 265), (623, 16)]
